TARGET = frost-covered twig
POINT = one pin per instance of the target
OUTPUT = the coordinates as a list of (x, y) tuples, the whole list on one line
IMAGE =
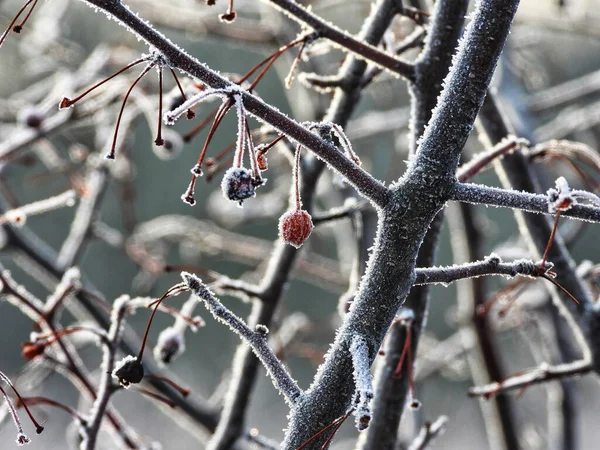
[(492, 265), (540, 374), (18, 216), (524, 201), (482, 160), (257, 339), (88, 210), (516, 173), (105, 390), (359, 351), (428, 433), (22, 439)]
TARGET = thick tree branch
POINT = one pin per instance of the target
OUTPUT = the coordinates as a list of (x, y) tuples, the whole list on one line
[(417, 198), (431, 68)]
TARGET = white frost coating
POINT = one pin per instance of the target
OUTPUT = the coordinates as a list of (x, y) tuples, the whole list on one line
[(561, 198), (589, 196), (18, 216), (359, 351), (406, 314), (240, 145), (123, 362), (170, 117)]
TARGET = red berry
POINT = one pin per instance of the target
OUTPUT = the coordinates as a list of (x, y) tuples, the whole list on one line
[(295, 227)]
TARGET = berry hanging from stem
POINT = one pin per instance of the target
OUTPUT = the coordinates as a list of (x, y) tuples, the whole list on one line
[(296, 224)]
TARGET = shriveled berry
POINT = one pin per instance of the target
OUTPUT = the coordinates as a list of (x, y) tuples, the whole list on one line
[(262, 162), (295, 226), (228, 17), (129, 371), (238, 184), (32, 350)]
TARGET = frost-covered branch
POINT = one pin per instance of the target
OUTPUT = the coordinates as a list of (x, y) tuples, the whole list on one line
[(428, 433), (257, 339), (540, 374), (87, 212), (524, 201), (18, 216), (492, 265), (105, 389)]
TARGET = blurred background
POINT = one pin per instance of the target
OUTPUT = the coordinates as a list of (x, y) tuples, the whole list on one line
[(65, 47)]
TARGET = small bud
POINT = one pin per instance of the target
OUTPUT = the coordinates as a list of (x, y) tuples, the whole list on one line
[(189, 199), (415, 404), (172, 145), (32, 350), (228, 17), (295, 227), (238, 184), (129, 371), (261, 329), (197, 170), (66, 103), (22, 439)]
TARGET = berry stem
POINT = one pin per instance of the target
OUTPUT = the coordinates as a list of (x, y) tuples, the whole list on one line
[(111, 154), (13, 21), (174, 290), (550, 241), (296, 176), (190, 114), (38, 428), (241, 139), (67, 102), (159, 140), (19, 27)]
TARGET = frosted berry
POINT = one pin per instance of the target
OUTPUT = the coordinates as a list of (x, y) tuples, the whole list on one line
[(129, 371), (238, 184), (295, 227), (169, 346)]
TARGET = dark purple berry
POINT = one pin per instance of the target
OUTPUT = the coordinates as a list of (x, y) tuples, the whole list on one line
[(129, 372), (238, 184)]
